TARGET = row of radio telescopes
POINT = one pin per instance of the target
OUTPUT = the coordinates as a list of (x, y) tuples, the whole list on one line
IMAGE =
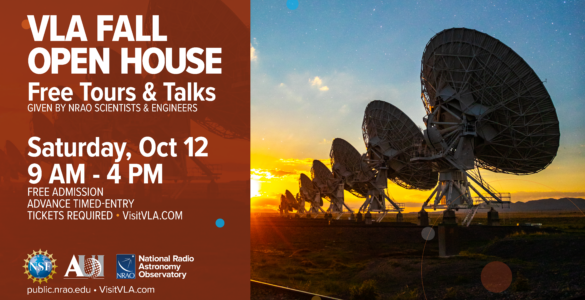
[(485, 108)]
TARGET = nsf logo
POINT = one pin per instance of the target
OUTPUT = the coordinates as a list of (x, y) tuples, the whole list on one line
[(125, 266), (40, 266)]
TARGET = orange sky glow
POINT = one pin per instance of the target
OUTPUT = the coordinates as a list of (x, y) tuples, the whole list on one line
[(271, 176)]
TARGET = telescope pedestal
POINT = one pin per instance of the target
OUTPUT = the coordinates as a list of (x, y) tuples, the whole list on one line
[(449, 217), (448, 244), (423, 218), (399, 217), (493, 218), (368, 218)]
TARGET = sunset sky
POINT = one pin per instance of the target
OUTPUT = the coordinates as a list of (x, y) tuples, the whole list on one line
[(314, 69)]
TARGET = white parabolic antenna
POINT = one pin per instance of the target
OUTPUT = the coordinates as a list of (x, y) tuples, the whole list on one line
[(284, 206), (486, 108), (330, 188), (361, 179), (293, 203), (391, 138), (310, 194)]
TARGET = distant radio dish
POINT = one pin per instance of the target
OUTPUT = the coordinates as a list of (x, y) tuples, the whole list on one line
[(309, 194), (284, 206), (362, 180), (391, 136), (291, 200), (15, 159), (321, 174), (347, 163), (330, 188), (307, 184)]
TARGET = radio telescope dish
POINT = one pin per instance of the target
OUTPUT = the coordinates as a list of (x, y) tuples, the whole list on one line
[(321, 174), (348, 163), (290, 199), (390, 135), (5, 172), (294, 203), (486, 108), (43, 127), (473, 83), (284, 206), (361, 179), (310, 194), (15, 159), (307, 184), (329, 187)]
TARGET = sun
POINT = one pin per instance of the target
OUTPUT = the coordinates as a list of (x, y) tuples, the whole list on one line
[(254, 188)]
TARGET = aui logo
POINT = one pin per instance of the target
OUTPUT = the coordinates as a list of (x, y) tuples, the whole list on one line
[(125, 266), (92, 267)]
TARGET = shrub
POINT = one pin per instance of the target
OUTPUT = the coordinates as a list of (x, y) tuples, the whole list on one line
[(451, 293), (407, 294), (461, 279), (520, 284), (367, 291)]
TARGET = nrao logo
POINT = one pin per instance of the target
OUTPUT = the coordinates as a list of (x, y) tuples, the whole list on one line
[(40, 266), (92, 267), (125, 266)]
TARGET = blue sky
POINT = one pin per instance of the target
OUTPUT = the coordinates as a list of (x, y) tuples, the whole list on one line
[(366, 50)]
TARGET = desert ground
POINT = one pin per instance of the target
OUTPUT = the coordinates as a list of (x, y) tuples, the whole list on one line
[(391, 260)]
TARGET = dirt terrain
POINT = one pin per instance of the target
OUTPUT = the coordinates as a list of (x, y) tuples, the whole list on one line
[(392, 261)]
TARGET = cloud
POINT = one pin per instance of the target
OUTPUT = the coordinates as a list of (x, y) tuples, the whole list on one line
[(264, 174), (304, 161), (253, 55), (318, 82), (280, 173), (296, 161), (300, 110)]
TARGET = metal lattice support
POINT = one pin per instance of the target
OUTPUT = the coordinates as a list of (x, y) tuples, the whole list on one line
[(474, 84), (390, 135)]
